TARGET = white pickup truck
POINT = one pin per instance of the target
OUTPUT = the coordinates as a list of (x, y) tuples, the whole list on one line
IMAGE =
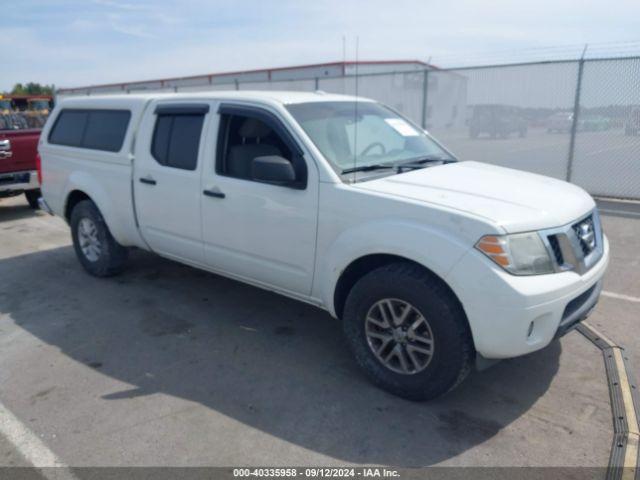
[(430, 263)]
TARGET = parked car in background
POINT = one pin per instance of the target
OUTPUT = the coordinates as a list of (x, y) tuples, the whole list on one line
[(632, 123), (593, 123), (496, 121), (18, 162), (560, 122), (430, 263)]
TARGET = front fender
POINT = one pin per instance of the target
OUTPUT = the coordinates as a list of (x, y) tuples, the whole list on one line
[(435, 249)]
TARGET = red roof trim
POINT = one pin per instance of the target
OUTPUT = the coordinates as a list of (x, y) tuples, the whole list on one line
[(27, 97)]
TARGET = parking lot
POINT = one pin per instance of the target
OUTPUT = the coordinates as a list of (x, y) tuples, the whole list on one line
[(603, 162), (168, 365)]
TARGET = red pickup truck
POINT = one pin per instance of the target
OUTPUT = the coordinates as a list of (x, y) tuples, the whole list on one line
[(18, 158)]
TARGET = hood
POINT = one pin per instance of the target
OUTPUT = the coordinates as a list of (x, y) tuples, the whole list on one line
[(515, 200)]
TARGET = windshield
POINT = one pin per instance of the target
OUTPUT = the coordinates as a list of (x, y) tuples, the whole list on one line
[(375, 135)]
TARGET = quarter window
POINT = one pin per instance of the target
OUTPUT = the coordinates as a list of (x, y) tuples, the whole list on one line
[(93, 129), (176, 140)]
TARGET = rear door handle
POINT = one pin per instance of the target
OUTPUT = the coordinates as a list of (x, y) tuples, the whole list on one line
[(148, 180), (5, 154), (213, 193)]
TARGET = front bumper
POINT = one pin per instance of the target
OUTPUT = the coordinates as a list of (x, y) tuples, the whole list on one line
[(514, 315), (579, 309), (17, 182)]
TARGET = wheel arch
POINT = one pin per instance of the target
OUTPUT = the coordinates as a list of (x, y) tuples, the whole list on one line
[(115, 208), (361, 266), (73, 198)]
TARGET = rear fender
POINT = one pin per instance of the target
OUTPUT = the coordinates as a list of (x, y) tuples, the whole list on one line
[(115, 219)]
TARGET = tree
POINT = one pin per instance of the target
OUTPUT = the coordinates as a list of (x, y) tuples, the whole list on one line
[(32, 88)]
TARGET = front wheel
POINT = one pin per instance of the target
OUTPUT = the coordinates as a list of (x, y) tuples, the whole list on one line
[(95, 247), (408, 332)]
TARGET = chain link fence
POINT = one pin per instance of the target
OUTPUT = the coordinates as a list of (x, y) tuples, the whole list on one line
[(606, 157), (576, 120), (503, 115)]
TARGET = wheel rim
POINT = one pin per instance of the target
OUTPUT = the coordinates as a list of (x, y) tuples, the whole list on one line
[(88, 238), (399, 336)]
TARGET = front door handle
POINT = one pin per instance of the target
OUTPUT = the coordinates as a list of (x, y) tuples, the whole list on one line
[(213, 193), (5, 154), (148, 180)]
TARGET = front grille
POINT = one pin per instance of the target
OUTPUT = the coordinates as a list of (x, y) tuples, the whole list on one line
[(576, 246), (585, 231), (557, 251)]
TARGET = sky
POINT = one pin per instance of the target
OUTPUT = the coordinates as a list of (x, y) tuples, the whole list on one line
[(77, 43)]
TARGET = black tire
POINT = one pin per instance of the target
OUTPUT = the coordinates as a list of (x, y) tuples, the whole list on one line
[(112, 256), (32, 198), (453, 350)]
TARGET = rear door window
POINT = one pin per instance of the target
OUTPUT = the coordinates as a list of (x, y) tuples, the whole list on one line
[(176, 139)]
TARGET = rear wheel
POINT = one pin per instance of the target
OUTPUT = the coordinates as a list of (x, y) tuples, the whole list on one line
[(95, 247), (32, 197), (408, 332)]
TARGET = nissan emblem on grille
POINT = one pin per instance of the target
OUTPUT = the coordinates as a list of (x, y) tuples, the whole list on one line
[(586, 234)]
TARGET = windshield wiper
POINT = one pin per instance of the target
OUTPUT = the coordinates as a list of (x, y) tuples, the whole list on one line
[(420, 162), (412, 163), (428, 159), (368, 168)]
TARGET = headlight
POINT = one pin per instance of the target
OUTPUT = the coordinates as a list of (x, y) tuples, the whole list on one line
[(520, 254)]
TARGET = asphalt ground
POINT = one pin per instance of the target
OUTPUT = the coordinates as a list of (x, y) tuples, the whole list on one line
[(166, 365)]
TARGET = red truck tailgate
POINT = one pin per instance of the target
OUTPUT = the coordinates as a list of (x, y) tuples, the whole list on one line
[(24, 148)]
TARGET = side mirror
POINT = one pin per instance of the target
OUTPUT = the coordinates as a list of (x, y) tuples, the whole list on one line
[(273, 169)]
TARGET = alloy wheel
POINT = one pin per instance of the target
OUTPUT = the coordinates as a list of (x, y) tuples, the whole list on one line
[(399, 336), (88, 238)]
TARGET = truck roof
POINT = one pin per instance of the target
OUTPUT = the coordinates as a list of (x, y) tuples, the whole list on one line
[(282, 97)]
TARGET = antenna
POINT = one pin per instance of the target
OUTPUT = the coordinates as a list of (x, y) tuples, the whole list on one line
[(344, 51), (355, 115)]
